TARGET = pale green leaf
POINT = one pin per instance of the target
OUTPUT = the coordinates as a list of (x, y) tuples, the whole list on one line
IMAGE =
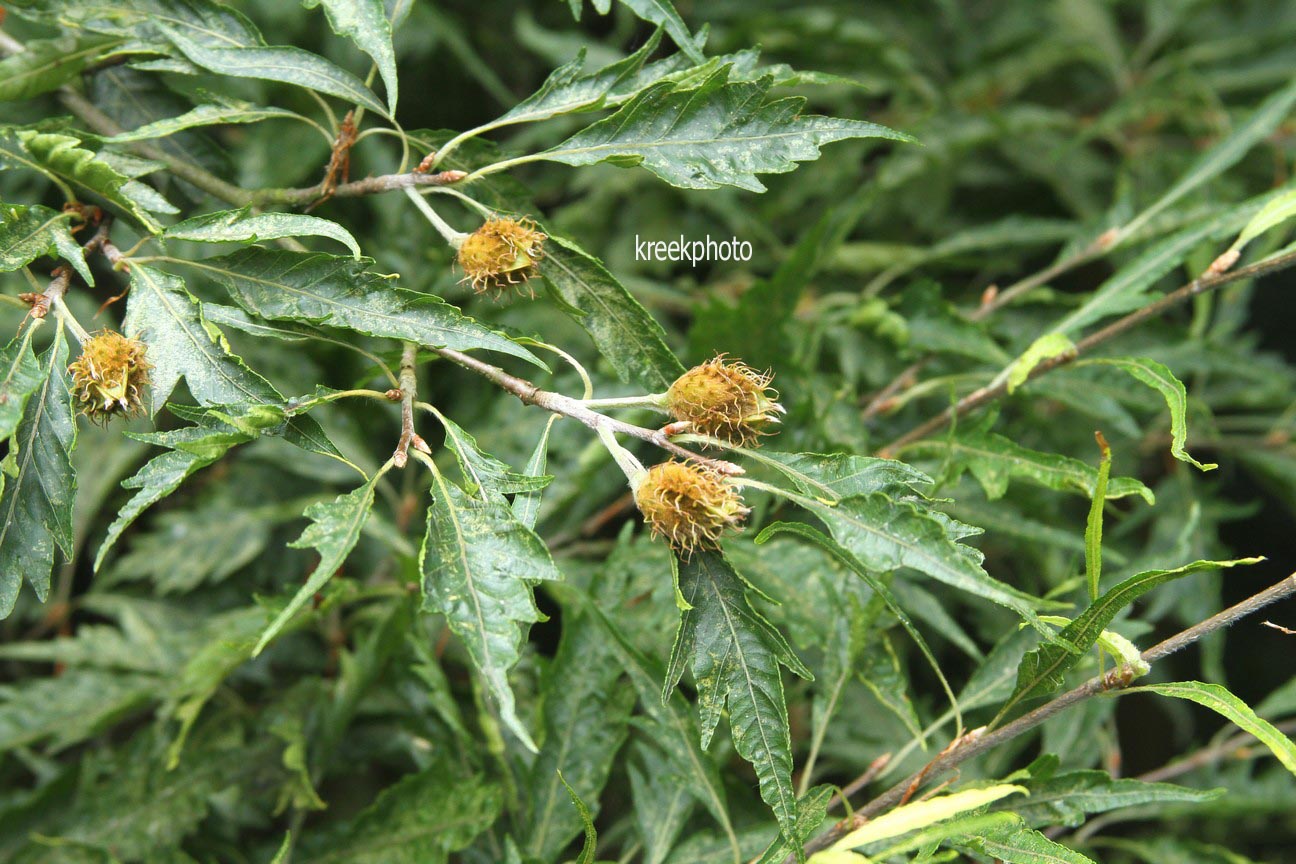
[(1231, 708), (334, 531), (40, 487), (995, 459), (278, 63), (1161, 379), (243, 226), (210, 114), (1275, 213), (61, 158), (626, 335), (365, 23), (340, 292), (478, 564), (921, 814), (590, 844), (1041, 670), (1046, 347), (48, 64), (734, 653), (720, 134), (26, 233)]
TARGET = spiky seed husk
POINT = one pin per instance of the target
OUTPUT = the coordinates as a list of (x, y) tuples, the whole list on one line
[(110, 376), (727, 400), (500, 254), (689, 505)]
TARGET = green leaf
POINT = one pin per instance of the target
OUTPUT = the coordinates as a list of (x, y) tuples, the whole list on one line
[(841, 475), (568, 89), (185, 548), (72, 707), (812, 809), (243, 226), (181, 343), (626, 335), (60, 158), (1018, 844), (40, 487), (885, 534), (1231, 708), (734, 653), (1279, 209), (719, 134), (478, 564), (365, 23), (418, 820), (586, 711), (1094, 523), (483, 473), (921, 814), (27, 233), (334, 531), (1226, 153), (1161, 379), (1041, 670), (278, 63), (526, 505), (590, 845), (669, 722), (340, 292), (22, 375), (210, 114), (663, 14), (1065, 799), (995, 459), (1046, 347), (193, 448), (48, 64)]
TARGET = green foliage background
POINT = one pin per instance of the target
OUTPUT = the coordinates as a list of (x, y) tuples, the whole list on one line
[(136, 724)]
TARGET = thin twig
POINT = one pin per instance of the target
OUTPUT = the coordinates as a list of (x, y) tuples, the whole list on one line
[(575, 409), (1200, 285), (974, 745), (408, 393)]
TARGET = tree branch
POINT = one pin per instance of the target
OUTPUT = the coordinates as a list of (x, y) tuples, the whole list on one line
[(577, 410), (1209, 281), (980, 740)]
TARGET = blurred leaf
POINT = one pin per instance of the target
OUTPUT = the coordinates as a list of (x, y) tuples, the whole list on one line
[(48, 64)]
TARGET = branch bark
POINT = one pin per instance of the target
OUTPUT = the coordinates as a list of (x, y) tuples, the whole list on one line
[(1202, 284), (979, 741)]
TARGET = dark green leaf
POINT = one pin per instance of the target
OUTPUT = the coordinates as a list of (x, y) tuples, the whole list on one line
[(365, 23), (48, 64), (242, 226), (734, 654), (40, 486), (478, 564)]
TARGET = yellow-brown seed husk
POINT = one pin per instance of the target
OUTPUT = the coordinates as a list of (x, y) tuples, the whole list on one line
[(110, 376), (689, 505), (501, 253), (727, 400)]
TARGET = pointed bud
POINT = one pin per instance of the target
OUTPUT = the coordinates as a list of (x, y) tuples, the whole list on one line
[(730, 401), (500, 253), (110, 376), (689, 505)]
